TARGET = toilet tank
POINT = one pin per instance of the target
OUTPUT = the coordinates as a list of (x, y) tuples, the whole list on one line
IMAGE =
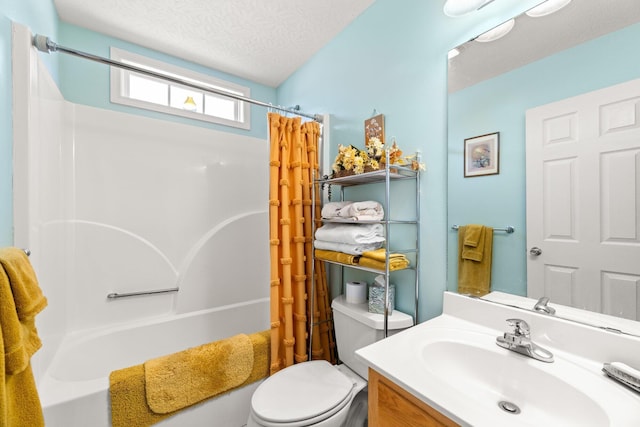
[(356, 328)]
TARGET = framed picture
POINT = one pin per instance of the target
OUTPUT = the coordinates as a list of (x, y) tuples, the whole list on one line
[(374, 127), (482, 155)]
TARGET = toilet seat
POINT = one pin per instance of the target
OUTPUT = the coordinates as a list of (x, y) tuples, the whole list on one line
[(301, 395)]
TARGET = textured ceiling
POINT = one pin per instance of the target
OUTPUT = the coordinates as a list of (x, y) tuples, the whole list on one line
[(263, 41)]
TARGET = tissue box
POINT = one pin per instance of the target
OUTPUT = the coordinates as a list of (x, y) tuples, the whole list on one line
[(376, 299)]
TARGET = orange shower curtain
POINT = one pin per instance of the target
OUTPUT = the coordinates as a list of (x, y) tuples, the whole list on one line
[(294, 148)]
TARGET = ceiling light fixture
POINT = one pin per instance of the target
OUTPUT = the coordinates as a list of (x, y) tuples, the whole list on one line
[(455, 8), (547, 8), (496, 32)]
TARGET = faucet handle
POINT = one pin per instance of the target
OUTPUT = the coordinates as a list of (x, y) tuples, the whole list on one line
[(520, 327), (543, 307)]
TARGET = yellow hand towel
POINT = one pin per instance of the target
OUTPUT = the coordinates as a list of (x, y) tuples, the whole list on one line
[(20, 300), (472, 235), (474, 242), (127, 392), (474, 276), (336, 256)]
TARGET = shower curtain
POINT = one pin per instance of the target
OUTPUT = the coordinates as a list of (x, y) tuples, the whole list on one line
[(294, 154)]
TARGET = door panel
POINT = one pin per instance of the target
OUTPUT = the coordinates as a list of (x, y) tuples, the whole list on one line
[(583, 200)]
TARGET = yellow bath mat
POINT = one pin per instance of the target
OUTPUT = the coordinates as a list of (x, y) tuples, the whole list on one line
[(182, 379), (127, 388), (128, 402)]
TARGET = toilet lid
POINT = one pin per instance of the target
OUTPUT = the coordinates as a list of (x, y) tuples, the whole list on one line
[(300, 392)]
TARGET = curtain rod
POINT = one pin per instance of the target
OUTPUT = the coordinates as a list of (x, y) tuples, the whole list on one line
[(46, 45)]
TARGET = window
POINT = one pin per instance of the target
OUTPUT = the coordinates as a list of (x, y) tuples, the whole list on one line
[(144, 91)]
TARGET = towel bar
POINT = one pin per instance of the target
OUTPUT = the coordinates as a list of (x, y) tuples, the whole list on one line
[(115, 295), (509, 229)]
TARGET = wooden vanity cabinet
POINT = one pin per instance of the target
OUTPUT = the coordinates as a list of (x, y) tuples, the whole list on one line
[(391, 406)]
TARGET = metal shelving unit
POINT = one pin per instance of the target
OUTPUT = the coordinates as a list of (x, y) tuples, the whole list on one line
[(384, 178)]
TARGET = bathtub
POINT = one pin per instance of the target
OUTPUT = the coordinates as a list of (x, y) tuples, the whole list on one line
[(74, 390)]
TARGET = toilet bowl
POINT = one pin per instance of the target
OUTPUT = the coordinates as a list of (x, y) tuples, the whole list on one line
[(319, 394), (313, 393)]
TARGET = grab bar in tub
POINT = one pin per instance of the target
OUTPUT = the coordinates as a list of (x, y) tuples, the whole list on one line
[(115, 295)]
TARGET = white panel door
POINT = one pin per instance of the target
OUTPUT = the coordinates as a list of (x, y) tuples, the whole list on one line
[(583, 201)]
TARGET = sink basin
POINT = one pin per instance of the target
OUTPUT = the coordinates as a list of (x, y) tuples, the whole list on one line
[(512, 385)]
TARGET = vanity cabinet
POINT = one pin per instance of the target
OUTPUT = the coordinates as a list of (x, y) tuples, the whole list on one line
[(393, 221), (392, 406)]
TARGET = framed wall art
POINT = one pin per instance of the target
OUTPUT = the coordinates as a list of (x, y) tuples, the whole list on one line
[(374, 128), (482, 155)]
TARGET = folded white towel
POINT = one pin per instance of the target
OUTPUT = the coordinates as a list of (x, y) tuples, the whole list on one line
[(353, 211), (347, 248), (332, 209), (354, 234)]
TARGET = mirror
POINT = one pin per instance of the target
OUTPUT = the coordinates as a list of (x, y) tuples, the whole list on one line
[(587, 45)]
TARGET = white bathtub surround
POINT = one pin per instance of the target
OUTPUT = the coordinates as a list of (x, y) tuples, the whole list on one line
[(111, 202), (453, 364)]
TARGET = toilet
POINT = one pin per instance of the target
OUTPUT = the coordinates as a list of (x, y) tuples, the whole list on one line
[(319, 394)]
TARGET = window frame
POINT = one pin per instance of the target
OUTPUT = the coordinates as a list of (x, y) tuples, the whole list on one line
[(120, 88)]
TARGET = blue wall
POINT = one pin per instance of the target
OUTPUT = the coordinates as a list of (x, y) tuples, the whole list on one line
[(499, 105), (393, 59)]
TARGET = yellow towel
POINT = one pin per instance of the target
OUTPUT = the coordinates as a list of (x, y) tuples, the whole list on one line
[(381, 254), (376, 259), (474, 265), (21, 299), (336, 256), (474, 242), (394, 263), (473, 234), (129, 405)]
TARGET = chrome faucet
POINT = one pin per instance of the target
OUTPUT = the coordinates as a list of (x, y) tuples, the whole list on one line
[(542, 307), (520, 341)]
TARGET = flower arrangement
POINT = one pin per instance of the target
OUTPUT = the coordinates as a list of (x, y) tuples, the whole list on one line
[(351, 160), (396, 158)]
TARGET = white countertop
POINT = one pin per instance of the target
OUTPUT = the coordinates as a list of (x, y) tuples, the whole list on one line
[(407, 359)]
